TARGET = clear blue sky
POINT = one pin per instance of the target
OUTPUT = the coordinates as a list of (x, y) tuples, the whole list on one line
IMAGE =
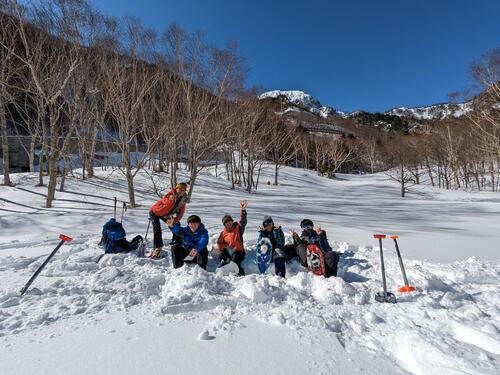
[(359, 54)]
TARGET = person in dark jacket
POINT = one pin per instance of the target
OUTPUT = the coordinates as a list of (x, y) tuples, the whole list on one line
[(277, 238), (230, 242), (311, 235), (194, 242)]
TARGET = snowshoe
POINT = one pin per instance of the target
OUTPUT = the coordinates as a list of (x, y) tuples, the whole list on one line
[(315, 260), (264, 254)]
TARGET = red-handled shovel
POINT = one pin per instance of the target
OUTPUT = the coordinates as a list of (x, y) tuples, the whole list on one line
[(63, 239), (384, 296)]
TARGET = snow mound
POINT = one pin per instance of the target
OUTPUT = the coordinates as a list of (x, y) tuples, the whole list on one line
[(454, 314)]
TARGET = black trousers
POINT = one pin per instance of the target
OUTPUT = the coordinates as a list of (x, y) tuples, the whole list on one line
[(237, 258), (179, 253), (279, 258), (157, 235), (292, 251), (331, 263)]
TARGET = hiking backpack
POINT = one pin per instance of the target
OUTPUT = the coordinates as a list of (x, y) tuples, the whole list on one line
[(113, 237)]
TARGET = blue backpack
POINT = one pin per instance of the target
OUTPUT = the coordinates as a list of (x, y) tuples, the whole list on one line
[(113, 237)]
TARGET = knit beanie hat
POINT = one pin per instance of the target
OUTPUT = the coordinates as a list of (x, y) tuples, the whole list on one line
[(226, 218), (267, 220)]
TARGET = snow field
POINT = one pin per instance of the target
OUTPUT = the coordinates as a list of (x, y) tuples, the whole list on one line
[(449, 326)]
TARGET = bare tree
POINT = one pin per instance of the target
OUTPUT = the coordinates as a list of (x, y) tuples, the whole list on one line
[(486, 108), (8, 69), (207, 77), (369, 146), (400, 155), (127, 81), (50, 54), (285, 143)]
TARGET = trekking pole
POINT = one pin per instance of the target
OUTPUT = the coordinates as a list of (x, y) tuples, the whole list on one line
[(142, 249), (407, 287), (63, 239), (147, 230), (384, 296), (100, 257), (124, 208), (115, 210)]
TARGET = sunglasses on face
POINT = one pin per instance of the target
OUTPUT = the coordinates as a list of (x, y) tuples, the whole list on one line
[(307, 227), (267, 224)]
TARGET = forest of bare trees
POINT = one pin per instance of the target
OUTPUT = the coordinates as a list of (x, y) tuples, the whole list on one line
[(76, 82)]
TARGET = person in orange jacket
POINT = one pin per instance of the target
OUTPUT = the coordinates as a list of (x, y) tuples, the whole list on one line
[(172, 205), (230, 241)]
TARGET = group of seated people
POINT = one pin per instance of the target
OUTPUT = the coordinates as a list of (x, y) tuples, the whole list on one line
[(190, 242)]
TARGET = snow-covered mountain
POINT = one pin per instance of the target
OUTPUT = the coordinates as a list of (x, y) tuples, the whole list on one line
[(433, 112), (299, 100)]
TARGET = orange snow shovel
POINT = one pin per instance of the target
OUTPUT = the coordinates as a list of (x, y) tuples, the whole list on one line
[(407, 287)]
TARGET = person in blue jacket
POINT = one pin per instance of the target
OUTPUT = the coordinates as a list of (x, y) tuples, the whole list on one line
[(194, 242), (277, 238)]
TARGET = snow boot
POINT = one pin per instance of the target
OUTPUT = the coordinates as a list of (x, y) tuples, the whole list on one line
[(156, 253)]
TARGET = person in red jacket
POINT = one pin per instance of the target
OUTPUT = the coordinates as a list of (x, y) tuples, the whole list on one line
[(172, 205), (230, 241)]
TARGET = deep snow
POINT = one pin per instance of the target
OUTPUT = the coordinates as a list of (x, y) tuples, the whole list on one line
[(132, 315)]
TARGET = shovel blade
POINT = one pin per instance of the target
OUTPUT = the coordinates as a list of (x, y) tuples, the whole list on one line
[(407, 289), (387, 298)]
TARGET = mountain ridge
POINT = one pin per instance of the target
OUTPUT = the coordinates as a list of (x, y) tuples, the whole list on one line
[(301, 100)]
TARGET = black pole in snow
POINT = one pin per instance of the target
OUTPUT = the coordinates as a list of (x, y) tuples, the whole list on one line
[(63, 239), (382, 266), (124, 208), (385, 296), (401, 262), (147, 230), (407, 287)]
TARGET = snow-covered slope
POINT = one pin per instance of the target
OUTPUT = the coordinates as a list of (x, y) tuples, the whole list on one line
[(433, 112), (300, 100), (132, 315)]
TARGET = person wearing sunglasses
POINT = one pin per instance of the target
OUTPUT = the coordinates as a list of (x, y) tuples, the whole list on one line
[(276, 236), (311, 235), (172, 205)]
